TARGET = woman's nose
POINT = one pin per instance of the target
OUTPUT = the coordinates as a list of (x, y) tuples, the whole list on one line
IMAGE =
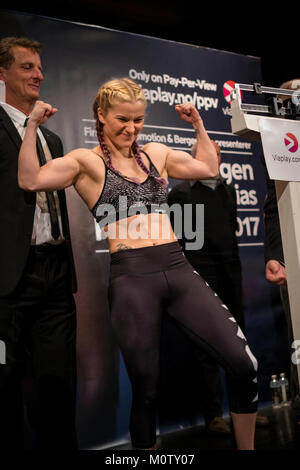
[(130, 126)]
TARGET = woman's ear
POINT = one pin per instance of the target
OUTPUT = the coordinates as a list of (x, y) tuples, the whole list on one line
[(100, 116)]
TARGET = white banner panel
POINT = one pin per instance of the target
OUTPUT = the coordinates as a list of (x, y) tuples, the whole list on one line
[(280, 140)]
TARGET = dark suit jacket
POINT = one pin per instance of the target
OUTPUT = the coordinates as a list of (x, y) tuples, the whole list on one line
[(273, 241), (220, 224), (17, 207)]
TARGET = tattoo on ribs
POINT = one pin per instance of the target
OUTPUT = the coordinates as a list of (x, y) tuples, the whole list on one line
[(122, 246)]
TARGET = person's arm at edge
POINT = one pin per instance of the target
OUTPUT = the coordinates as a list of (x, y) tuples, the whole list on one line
[(56, 174)]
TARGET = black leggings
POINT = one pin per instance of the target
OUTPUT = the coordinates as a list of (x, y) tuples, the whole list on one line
[(145, 284)]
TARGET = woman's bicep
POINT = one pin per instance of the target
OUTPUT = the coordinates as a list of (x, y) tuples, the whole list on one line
[(181, 165), (58, 173)]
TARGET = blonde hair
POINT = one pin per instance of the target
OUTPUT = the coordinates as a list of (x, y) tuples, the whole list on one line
[(119, 90)]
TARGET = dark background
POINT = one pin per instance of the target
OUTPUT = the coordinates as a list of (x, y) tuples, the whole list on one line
[(248, 28)]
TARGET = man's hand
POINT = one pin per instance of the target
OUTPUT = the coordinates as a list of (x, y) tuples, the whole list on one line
[(275, 273)]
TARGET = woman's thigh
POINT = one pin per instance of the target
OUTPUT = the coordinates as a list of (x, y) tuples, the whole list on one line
[(136, 308), (208, 322)]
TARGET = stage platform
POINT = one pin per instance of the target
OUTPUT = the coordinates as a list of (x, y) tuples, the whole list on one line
[(283, 433)]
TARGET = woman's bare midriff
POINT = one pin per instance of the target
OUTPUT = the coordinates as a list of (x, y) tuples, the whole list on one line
[(139, 231)]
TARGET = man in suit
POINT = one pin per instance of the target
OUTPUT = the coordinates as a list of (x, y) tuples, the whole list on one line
[(37, 276)]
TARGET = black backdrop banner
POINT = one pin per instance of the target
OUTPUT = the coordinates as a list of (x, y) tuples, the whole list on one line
[(77, 59)]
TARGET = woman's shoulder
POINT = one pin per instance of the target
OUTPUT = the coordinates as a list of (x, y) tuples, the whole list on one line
[(83, 154), (89, 160), (155, 149), (157, 154)]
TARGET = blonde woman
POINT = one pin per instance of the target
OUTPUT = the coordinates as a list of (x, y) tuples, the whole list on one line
[(125, 187)]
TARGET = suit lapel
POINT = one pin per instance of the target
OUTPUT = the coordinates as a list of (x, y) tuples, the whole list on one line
[(50, 142), (15, 136), (10, 128), (55, 149)]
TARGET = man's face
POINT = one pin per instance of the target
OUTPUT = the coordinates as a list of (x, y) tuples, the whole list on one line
[(23, 78)]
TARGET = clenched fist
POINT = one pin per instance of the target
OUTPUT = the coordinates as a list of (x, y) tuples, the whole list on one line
[(41, 112), (188, 113)]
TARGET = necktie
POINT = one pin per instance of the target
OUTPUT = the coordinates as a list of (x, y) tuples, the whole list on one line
[(55, 232)]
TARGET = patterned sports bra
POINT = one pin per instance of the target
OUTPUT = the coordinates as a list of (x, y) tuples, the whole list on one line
[(122, 198)]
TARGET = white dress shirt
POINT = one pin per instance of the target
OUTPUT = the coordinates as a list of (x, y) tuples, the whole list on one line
[(42, 225)]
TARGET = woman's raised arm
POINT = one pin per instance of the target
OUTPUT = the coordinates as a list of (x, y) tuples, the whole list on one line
[(56, 174), (180, 164)]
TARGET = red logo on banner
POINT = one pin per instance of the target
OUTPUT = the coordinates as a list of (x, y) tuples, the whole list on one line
[(291, 142), (227, 88)]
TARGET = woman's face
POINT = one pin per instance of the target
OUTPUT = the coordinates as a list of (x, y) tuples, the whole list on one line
[(123, 122)]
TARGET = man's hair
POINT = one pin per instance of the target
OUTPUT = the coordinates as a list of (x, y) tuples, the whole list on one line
[(293, 84), (6, 52)]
